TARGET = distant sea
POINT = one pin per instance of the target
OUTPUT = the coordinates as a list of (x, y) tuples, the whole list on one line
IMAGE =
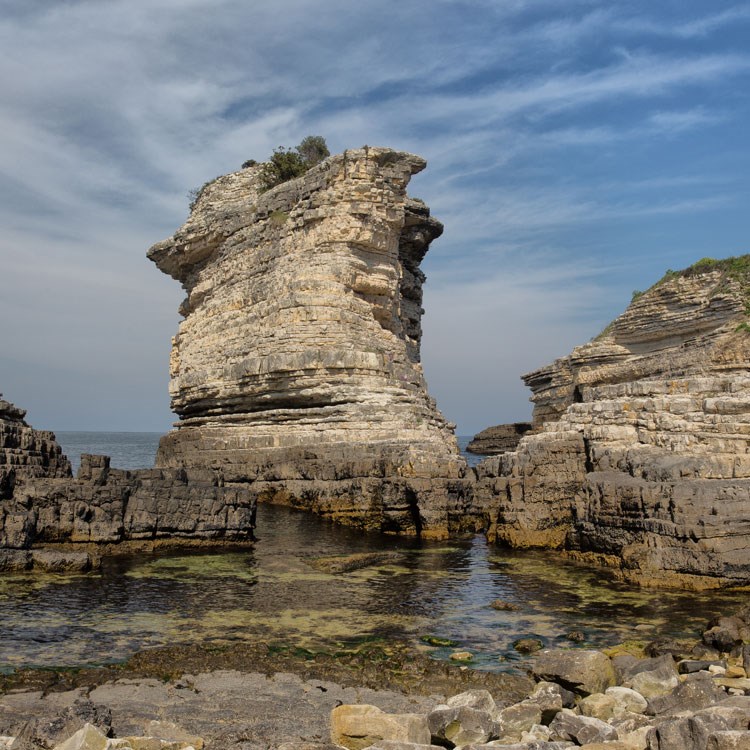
[(137, 450)]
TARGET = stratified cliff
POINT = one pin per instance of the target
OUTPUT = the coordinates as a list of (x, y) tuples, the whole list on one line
[(640, 456), (41, 504), (296, 367), (25, 452)]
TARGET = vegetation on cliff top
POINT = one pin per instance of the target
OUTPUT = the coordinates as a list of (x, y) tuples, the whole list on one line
[(283, 165), (735, 268), (286, 164)]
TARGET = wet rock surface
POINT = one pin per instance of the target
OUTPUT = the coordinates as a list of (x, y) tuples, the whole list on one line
[(375, 698)]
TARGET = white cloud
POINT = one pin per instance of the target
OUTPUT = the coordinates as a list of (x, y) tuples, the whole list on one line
[(535, 127)]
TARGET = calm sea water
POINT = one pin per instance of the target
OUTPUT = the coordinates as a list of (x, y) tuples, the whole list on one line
[(137, 450), (274, 592)]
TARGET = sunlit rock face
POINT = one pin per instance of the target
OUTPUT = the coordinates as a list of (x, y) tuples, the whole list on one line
[(639, 456), (296, 367)]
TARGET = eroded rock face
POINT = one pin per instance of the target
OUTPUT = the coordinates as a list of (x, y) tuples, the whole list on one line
[(296, 368), (498, 439), (26, 452), (103, 505), (640, 452)]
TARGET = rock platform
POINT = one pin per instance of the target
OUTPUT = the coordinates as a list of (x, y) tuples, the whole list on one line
[(70, 521)]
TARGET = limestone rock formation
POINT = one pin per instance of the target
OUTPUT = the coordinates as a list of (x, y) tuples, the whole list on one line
[(296, 369), (108, 506), (640, 455), (498, 439), (26, 452), (42, 504)]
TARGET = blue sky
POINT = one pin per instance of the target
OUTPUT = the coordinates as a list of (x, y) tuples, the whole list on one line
[(576, 151)]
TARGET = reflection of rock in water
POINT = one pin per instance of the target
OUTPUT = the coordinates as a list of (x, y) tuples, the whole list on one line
[(272, 593)]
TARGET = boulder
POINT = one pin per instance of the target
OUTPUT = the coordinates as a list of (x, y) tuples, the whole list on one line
[(583, 671), (696, 692), (86, 738), (359, 726), (514, 720), (599, 705), (686, 733), (729, 740), (627, 699), (581, 729), (461, 725)]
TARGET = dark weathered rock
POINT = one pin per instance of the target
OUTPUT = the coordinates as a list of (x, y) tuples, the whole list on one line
[(687, 733), (688, 666), (726, 633), (26, 452), (498, 439), (581, 729), (696, 692), (108, 506), (49, 732)]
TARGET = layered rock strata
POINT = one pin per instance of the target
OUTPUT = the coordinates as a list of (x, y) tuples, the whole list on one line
[(106, 506), (296, 369), (640, 455), (41, 504), (26, 452), (498, 439)]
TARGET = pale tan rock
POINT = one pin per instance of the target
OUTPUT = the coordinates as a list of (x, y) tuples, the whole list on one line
[(359, 726), (86, 738), (297, 365), (599, 705), (639, 454), (627, 699)]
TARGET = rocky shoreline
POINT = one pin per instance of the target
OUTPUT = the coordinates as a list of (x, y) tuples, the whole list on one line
[(670, 696)]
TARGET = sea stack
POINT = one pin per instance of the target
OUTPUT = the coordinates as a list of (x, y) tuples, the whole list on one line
[(639, 456), (296, 368)]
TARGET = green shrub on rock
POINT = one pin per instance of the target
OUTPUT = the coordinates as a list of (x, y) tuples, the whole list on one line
[(286, 164)]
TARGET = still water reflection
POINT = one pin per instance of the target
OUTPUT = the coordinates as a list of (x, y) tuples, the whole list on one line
[(273, 593)]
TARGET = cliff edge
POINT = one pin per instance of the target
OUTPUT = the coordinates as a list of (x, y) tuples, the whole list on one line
[(640, 453), (296, 369)]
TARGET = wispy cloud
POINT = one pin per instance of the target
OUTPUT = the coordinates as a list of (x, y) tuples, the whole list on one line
[(558, 134)]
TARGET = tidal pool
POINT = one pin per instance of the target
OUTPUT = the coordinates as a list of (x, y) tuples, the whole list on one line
[(273, 593)]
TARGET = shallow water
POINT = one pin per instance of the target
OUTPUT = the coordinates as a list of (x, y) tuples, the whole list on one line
[(273, 593)]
